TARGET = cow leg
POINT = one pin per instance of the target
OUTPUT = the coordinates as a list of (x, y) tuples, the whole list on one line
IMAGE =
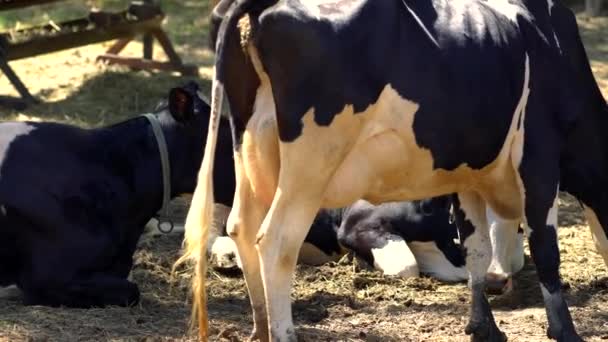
[(243, 223), (473, 228), (505, 254), (541, 215), (279, 241)]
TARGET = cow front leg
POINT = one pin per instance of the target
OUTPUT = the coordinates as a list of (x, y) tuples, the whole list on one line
[(279, 242), (473, 228)]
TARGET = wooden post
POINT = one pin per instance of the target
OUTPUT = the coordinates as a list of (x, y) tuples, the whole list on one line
[(148, 40), (593, 7)]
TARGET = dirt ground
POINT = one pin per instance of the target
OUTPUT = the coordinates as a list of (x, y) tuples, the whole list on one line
[(335, 302)]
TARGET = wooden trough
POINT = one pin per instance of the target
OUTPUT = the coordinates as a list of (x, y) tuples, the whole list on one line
[(141, 18)]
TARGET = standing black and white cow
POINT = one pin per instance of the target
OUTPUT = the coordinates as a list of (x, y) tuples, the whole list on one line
[(332, 101), (74, 202)]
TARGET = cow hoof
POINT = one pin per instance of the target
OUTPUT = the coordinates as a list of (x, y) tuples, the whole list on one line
[(498, 284), (483, 331), (564, 337)]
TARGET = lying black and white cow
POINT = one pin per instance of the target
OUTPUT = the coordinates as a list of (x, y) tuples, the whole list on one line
[(332, 101), (409, 238), (400, 239), (74, 202)]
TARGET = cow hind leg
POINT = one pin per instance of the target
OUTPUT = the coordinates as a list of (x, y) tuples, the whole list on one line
[(279, 241), (473, 227), (242, 226)]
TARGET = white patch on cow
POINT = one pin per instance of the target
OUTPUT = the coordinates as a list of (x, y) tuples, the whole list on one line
[(456, 17), (478, 244), (507, 245), (6, 140), (550, 4), (396, 259), (224, 254), (517, 150), (598, 233), (311, 255), (433, 262), (334, 11), (553, 211), (507, 8)]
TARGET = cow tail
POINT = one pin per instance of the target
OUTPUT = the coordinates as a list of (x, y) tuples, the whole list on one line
[(200, 217), (200, 214)]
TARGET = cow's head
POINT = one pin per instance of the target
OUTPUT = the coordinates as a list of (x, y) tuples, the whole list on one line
[(185, 121)]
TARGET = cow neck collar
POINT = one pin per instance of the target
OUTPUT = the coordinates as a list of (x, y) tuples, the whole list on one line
[(163, 216)]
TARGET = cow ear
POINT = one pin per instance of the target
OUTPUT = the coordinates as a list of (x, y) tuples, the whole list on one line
[(181, 104)]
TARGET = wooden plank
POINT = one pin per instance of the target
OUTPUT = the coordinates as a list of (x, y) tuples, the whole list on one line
[(15, 81), (165, 43), (119, 45), (146, 64), (67, 40), (148, 46)]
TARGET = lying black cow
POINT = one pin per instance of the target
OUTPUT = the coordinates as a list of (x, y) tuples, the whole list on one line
[(74, 202)]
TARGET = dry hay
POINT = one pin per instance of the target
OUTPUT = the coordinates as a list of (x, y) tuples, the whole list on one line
[(340, 301), (336, 302)]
